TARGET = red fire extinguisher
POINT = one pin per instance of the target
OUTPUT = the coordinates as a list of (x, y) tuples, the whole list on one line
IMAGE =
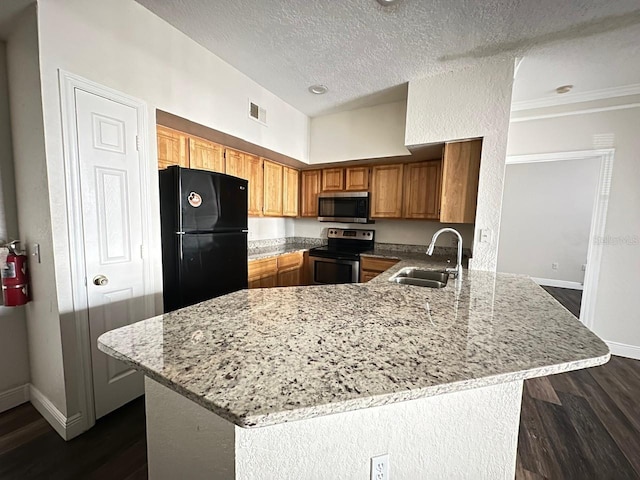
[(15, 280)]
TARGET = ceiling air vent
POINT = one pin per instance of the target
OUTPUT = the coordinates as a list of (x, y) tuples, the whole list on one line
[(258, 113)]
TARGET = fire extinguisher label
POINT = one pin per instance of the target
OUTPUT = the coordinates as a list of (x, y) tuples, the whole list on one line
[(9, 271)]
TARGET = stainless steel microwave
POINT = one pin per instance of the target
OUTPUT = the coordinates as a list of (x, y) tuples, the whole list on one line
[(345, 207)]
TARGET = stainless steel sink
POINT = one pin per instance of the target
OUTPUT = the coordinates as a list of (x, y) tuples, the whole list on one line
[(421, 278)]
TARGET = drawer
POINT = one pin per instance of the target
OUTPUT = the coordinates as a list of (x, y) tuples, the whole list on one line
[(377, 264), (262, 268), (290, 260)]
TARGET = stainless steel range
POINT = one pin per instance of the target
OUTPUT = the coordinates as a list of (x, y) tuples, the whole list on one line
[(339, 260)]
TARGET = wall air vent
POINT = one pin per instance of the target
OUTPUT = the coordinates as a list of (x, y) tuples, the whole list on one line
[(258, 113)]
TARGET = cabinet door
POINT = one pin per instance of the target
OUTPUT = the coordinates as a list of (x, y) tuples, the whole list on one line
[(310, 186), (235, 164), (332, 179), (172, 148), (357, 179), (421, 196), (262, 273), (272, 189), (386, 191), (206, 155), (290, 199), (255, 175), (366, 275), (460, 174)]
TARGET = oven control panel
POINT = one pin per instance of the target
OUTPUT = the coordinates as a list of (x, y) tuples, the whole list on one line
[(351, 234)]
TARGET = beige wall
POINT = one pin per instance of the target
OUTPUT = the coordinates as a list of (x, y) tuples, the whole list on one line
[(121, 45), (617, 310), (14, 361), (371, 132), (45, 344), (469, 103), (546, 218)]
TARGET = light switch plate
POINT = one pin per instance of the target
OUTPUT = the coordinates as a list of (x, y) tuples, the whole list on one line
[(486, 235)]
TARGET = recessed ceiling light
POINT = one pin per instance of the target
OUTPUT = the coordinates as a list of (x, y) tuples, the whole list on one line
[(386, 3), (318, 89), (564, 89)]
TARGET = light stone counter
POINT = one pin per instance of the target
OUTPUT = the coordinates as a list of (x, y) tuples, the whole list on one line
[(268, 356)]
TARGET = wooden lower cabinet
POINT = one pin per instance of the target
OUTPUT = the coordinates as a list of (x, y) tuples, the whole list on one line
[(285, 270), (263, 272), (371, 267)]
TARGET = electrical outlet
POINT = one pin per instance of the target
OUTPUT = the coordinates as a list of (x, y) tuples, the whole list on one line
[(554, 266), (380, 467), (486, 235)]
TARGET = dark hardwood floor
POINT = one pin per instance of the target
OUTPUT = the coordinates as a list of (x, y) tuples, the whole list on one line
[(579, 425), (116, 448), (570, 299)]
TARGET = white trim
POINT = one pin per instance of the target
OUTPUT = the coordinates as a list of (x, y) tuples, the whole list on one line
[(551, 282), (567, 98), (67, 427), (559, 156), (624, 350), (598, 217), (13, 397), (69, 83), (574, 112)]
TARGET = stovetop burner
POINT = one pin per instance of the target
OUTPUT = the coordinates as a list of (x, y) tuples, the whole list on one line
[(345, 243)]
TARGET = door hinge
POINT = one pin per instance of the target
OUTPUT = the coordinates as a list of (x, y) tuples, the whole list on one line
[(143, 252), (137, 142)]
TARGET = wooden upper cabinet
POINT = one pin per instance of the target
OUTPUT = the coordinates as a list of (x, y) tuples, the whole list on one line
[(310, 187), (172, 148), (249, 167), (290, 180), (255, 175), (272, 189), (235, 164), (332, 179), (460, 174), (386, 191), (356, 179), (206, 155), (421, 197)]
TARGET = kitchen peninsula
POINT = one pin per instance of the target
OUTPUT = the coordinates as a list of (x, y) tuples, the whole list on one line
[(312, 382)]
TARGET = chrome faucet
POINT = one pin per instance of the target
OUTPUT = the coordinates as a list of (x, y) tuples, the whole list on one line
[(457, 272)]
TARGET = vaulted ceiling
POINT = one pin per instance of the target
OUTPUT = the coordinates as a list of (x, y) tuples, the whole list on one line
[(364, 52)]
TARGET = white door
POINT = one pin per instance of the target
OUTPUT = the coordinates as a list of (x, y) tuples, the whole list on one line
[(112, 225)]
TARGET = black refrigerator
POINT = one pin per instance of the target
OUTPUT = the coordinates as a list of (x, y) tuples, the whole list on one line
[(204, 235)]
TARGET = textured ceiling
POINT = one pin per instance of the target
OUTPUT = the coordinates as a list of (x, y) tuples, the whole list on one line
[(359, 48), (595, 63)]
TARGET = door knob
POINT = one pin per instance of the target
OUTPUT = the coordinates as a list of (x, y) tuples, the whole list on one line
[(100, 280)]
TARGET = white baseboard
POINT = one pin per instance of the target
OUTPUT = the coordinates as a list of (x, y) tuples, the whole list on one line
[(67, 427), (550, 282), (14, 397), (624, 350)]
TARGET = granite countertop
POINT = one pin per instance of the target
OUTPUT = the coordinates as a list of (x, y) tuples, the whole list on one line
[(274, 251), (267, 356)]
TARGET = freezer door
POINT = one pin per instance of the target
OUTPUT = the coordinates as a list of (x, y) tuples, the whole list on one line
[(210, 265), (212, 202)]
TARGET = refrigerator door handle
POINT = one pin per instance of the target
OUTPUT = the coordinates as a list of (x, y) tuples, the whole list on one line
[(180, 233)]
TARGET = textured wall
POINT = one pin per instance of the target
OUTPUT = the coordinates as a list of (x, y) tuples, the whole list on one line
[(468, 434), (469, 103), (14, 360), (371, 132), (617, 299), (45, 346)]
